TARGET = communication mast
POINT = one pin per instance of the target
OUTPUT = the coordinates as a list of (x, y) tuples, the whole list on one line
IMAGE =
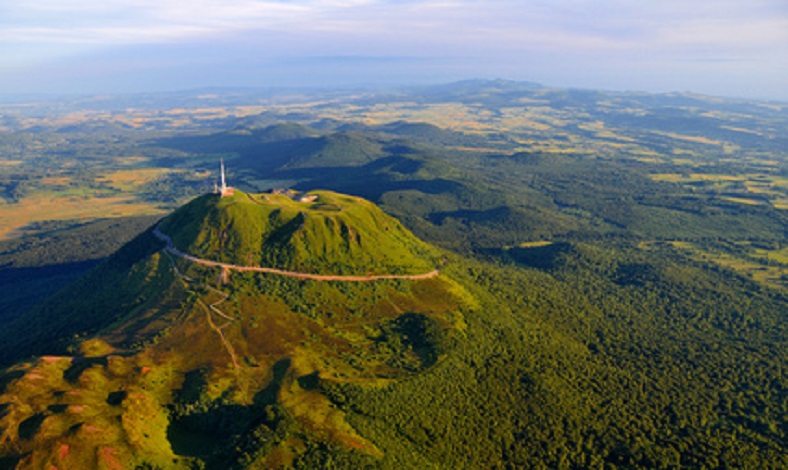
[(224, 190)]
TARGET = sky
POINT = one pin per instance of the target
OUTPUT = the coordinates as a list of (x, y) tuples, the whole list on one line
[(736, 48)]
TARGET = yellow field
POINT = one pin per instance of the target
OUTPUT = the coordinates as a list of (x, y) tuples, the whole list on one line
[(685, 161), (771, 275), (603, 132), (516, 119), (127, 180), (741, 129), (648, 160), (453, 116), (779, 181), (770, 186), (778, 256), (761, 188), (39, 208), (717, 177), (55, 180), (475, 149), (689, 138), (126, 161), (669, 177), (744, 200), (535, 244)]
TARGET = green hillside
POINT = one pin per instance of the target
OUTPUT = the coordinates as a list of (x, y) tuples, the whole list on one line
[(614, 297), (334, 234), (339, 149), (569, 355), (149, 357)]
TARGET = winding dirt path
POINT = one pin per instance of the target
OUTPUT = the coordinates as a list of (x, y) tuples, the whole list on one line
[(281, 272), (213, 308), (218, 329)]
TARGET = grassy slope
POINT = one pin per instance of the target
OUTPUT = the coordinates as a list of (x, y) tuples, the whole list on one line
[(161, 378), (334, 235)]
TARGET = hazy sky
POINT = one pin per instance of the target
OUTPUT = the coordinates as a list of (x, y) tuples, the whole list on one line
[(723, 47)]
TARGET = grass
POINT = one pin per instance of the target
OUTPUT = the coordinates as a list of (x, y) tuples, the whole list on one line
[(335, 234), (68, 419)]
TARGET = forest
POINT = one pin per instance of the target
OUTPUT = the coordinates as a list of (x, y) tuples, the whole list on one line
[(615, 266)]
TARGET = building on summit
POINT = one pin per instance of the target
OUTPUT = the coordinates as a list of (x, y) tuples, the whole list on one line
[(294, 195)]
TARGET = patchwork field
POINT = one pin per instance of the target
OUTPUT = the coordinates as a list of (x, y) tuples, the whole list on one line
[(750, 189), (767, 267), (129, 180)]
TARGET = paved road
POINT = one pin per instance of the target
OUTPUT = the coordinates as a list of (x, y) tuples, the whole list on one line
[(316, 277)]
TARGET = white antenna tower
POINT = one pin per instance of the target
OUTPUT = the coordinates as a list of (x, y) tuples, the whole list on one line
[(224, 184)]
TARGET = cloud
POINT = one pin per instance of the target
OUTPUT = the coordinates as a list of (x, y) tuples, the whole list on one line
[(140, 21), (504, 35), (563, 23)]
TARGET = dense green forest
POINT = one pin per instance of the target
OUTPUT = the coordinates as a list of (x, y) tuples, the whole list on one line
[(612, 291)]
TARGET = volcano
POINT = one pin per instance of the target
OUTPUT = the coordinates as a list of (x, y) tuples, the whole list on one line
[(225, 337)]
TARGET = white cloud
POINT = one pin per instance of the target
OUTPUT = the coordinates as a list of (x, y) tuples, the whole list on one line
[(566, 31), (562, 23), (148, 20)]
